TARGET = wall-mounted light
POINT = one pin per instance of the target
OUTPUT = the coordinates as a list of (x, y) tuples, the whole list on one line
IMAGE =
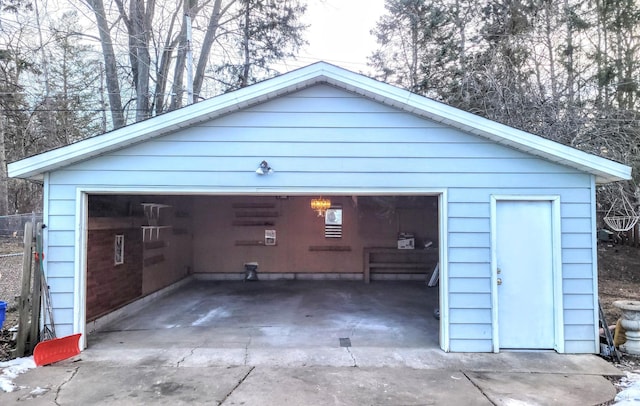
[(264, 168), (320, 205)]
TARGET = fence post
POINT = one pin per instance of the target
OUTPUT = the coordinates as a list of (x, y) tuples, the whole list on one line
[(25, 294)]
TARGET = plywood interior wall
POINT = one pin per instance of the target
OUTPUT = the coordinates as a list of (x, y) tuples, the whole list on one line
[(229, 231)]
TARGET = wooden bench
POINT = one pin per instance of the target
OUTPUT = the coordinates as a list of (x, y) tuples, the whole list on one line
[(392, 260)]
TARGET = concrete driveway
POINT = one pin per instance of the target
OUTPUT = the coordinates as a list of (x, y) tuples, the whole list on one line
[(303, 343)]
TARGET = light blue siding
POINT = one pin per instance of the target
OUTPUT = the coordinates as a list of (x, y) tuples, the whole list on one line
[(578, 301), (61, 207), (465, 270), (61, 239), (575, 240), (466, 240), (576, 256), (327, 139), (461, 316), (469, 285), (577, 271)]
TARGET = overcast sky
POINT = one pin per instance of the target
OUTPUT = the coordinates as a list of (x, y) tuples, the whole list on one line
[(339, 32)]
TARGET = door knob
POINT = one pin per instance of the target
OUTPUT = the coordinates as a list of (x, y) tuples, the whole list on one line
[(499, 281)]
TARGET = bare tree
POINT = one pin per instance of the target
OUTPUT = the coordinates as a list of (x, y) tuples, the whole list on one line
[(157, 45), (110, 63)]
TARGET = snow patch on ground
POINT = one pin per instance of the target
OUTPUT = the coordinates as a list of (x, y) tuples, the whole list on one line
[(630, 395), (11, 369)]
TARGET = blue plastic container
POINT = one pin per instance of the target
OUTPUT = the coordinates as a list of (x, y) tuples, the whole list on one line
[(3, 311)]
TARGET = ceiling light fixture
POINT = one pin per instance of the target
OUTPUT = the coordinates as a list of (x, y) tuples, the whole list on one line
[(320, 205)]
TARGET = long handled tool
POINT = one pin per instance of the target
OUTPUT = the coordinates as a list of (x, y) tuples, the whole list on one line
[(52, 349), (608, 337)]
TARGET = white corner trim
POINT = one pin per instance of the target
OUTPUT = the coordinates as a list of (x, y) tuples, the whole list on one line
[(80, 264), (443, 221)]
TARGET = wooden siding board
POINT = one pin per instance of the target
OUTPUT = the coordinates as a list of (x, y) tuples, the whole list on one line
[(577, 271), (469, 255), (476, 270), (575, 225), (470, 210), (293, 179), (322, 91), (344, 149), (125, 163), (479, 331), (579, 347), (329, 104), (289, 119), (458, 225), (63, 329), (60, 269), (457, 345), (62, 207), (578, 286), (576, 256), (575, 210), (578, 301), (578, 316), (61, 222), (60, 253), (469, 301), (571, 192), (470, 316), (62, 192), (469, 285), (61, 238), (60, 285), (578, 332), (577, 240), (472, 240), (427, 134), (63, 300)]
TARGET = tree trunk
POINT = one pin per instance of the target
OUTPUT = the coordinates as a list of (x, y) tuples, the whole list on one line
[(4, 181), (110, 64), (139, 30), (163, 69), (207, 43)]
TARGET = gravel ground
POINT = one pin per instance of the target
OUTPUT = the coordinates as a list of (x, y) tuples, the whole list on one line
[(10, 271), (10, 286), (10, 279)]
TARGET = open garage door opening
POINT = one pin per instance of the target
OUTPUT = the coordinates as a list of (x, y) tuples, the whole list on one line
[(345, 270)]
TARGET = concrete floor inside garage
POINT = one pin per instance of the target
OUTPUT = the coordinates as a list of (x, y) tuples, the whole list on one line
[(283, 323)]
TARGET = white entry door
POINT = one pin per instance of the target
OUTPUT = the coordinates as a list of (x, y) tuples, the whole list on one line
[(524, 258)]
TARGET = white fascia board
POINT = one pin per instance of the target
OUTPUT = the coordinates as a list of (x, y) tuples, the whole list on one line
[(605, 170)]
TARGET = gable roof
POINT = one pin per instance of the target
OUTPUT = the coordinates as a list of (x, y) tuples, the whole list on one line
[(320, 73)]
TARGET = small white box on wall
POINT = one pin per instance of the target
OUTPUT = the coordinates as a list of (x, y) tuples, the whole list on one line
[(269, 237), (406, 241)]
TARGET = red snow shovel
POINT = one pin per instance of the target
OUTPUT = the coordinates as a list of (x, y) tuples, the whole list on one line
[(57, 349)]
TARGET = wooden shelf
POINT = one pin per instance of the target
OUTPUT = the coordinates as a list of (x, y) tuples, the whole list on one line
[(393, 260), (151, 231)]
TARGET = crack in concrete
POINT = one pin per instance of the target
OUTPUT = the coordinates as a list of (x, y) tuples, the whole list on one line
[(479, 388), (246, 350), (73, 374), (186, 356), (355, 363), (240, 382)]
